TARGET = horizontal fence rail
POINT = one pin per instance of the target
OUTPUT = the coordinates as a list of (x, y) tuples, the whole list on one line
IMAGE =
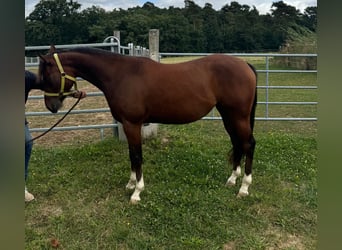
[(140, 51)]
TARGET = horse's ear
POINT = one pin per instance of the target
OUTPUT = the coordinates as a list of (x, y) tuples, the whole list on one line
[(52, 49)]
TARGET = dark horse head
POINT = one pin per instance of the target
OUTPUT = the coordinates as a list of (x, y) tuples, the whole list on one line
[(55, 82)]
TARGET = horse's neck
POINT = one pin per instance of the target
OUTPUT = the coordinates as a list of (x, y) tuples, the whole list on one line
[(92, 69)]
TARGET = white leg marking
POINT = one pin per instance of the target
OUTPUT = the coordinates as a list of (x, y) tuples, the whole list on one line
[(132, 180), (139, 187), (246, 181), (232, 179)]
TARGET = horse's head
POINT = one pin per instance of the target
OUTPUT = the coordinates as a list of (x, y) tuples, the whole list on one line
[(54, 81)]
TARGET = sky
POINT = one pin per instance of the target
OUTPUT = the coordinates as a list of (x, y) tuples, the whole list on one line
[(263, 6)]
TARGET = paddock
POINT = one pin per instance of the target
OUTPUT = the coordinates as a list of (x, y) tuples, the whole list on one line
[(284, 94), (78, 177)]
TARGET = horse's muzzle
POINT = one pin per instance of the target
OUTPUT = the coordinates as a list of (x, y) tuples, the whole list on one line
[(53, 104)]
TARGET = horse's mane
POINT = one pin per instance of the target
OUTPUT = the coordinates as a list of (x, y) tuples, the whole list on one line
[(88, 50), (101, 52)]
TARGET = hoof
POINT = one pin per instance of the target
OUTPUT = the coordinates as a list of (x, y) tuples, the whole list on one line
[(230, 183), (134, 202), (242, 194), (130, 186)]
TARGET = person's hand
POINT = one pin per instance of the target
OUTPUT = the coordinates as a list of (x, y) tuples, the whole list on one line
[(79, 94)]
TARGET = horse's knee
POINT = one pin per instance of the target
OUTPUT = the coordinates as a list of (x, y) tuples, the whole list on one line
[(248, 147)]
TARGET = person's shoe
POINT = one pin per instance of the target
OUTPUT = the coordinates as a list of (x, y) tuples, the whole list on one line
[(28, 196)]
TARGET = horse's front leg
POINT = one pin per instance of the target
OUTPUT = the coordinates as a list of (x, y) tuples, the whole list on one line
[(132, 180), (235, 174), (235, 159), (135, 155), (136, 181)]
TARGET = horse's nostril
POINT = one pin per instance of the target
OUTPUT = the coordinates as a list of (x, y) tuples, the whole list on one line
[(53, 106), (52, 109)]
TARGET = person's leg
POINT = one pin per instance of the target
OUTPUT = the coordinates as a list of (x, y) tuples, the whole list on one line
[(28, 149)]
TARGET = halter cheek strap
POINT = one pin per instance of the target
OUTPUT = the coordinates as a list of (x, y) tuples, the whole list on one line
[(63, 77)]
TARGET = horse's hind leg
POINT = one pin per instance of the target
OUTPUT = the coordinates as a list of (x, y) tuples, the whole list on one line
[(249, 146), (235, 159), (136, 181), (243, 145), (236, 154)]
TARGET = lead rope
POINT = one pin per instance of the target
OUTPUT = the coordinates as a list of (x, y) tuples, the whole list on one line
[(59, 121)]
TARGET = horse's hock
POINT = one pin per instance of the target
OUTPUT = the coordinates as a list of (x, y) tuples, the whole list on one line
[(147, 130)]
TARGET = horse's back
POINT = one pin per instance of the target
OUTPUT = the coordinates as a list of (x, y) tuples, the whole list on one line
[(234, 77), (189, 90)]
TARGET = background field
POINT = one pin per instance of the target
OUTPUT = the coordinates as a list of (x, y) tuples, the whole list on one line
[(81, 202)]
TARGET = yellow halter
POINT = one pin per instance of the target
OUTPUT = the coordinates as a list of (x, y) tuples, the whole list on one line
[(63, 76)]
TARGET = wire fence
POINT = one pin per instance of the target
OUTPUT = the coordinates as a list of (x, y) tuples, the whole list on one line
[(112, 44)]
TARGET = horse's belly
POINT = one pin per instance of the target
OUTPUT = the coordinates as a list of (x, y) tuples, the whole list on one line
[(180, 114)]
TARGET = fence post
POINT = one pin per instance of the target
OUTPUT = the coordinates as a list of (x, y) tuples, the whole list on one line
[(154, 44), (116, 33), (131, 49), (152, 128)]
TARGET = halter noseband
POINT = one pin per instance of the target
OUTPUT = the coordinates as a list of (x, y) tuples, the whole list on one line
[(63, 76)]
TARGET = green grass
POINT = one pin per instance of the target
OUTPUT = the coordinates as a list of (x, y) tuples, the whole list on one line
[(82, 203)]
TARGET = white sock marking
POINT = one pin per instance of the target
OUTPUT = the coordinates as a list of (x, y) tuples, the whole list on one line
[(232, 179), (139, 187), (246, 181), (132, 180)]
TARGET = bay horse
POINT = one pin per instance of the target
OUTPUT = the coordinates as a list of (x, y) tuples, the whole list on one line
[(139, 90)]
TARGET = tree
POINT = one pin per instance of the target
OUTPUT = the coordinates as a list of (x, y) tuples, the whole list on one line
[(212, 30), (193, 13), (53, 10), (96, 24), (234, 28), (56, 19), (310, 18), (241, 27), (284, 18), (284, 15), (175, 30)]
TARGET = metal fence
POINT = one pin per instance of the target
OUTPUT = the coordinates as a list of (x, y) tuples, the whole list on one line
[(113, 44)]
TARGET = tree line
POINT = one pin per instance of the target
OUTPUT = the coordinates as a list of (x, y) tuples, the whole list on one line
[(233, 28)]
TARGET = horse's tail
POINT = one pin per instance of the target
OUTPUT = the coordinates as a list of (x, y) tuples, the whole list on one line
[(252, 115)]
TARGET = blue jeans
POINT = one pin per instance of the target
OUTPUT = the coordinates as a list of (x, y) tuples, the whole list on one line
[(28, 149)]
